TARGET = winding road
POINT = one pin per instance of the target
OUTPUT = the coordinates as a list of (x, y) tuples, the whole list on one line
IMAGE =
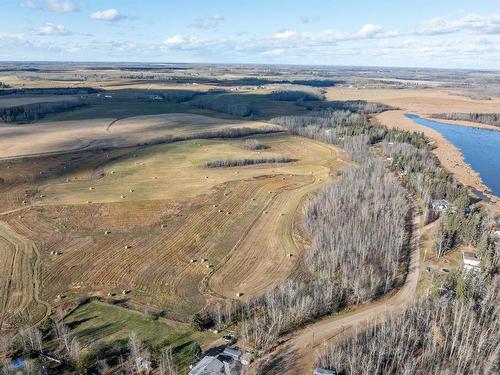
[(296, 354)]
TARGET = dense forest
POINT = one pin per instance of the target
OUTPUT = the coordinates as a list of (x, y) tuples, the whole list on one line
[(224, 103), (483, 118), (33, 112)]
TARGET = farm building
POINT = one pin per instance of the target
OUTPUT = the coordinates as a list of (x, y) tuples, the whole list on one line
[(440, 204), (209, 365), (470, 261)]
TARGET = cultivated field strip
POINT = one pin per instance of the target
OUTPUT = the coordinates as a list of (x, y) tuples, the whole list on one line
[(19, 265)]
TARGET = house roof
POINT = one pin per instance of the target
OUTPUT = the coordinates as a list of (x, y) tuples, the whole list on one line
[(208, 366)]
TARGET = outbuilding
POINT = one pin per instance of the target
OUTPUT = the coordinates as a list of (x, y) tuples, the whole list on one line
[(471, 262)]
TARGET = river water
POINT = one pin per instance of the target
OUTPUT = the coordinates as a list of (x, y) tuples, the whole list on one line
[(480, 148)]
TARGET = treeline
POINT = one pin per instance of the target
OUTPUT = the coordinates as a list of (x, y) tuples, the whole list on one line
[(359, 106), (210, 134), (296, 95), (453, 332), (50, 91), (225, 104), (226, 163), (334, 126), (33, 112), (252, 81), (483, 118), (3, 85)]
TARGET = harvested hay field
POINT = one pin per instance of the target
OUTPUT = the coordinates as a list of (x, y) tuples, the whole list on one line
[(176, 170), (174, 241), (58, 136), (19, 280)]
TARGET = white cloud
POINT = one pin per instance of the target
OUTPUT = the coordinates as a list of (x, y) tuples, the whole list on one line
[(50, 6), (369, 30), (207, 23), (51, 29), (471, 22), (184, 42), (109, 15)]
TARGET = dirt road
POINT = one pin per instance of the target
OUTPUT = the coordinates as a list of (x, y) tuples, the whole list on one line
[(297, 353)]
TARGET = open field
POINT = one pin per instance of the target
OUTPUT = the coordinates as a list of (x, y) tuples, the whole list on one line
[(111, 325), (145, 241), (60, 136)]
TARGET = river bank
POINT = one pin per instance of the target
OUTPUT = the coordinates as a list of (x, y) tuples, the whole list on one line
[(449, 156)]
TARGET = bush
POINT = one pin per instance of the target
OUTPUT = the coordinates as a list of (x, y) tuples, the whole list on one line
[(254, 144), (226, 163)]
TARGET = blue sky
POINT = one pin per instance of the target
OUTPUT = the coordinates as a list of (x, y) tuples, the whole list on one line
[(438, 33)]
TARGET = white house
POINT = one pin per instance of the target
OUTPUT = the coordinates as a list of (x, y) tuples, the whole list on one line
[(471, 262), (209, 365)]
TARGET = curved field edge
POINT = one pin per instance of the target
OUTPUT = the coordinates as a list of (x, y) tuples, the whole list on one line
[(19, 280)]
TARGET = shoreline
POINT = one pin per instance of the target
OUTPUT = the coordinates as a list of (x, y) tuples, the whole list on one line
[(450, 157), (464, 123)]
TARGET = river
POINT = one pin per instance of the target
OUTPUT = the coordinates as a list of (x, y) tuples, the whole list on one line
[(480, 148)]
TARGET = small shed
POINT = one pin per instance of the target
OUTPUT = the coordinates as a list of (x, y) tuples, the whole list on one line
[(232, 353), (470, 261)]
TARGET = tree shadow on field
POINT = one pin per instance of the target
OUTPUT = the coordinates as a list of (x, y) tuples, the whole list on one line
[(74, 324)]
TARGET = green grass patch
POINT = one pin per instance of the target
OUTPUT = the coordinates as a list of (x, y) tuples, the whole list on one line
[(101, 323)]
